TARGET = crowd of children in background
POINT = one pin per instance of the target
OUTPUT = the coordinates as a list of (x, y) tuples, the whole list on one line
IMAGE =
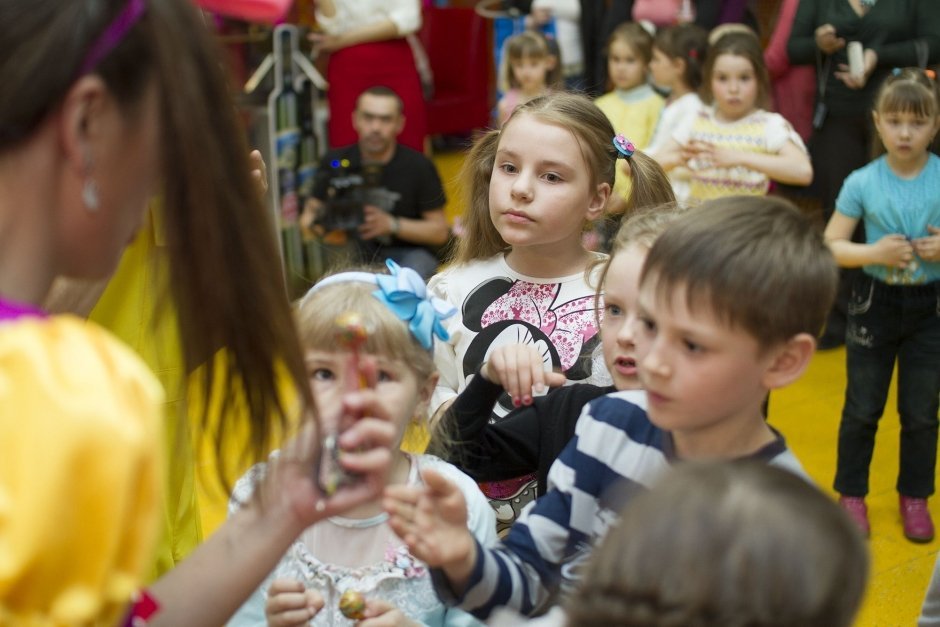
[(718, 136)]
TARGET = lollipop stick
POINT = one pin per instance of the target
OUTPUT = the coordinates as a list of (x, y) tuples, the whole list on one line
[(351, 335)]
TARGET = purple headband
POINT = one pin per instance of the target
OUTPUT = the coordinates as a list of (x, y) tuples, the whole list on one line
[(113, 34)]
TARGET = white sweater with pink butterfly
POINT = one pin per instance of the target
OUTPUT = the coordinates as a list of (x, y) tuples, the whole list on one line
[(496, 306)]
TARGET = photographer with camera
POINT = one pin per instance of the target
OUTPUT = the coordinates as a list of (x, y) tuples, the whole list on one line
[(387, 196)]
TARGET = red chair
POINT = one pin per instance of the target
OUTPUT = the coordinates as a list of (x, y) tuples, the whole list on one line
[(455, 40)]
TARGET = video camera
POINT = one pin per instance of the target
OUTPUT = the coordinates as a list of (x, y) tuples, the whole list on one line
[(349, 191)]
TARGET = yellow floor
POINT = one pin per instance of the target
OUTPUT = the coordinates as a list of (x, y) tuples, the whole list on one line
[(808, 415)]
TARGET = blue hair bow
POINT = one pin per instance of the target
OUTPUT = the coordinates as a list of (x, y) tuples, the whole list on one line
[(405, 293)]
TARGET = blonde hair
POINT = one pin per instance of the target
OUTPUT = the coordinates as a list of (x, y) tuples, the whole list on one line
[(640, 228), (388, 335), (594, 134)]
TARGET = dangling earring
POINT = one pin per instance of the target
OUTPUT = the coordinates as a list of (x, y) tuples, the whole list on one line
[(90, 195)]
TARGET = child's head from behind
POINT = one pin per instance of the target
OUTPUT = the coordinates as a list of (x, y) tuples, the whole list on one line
[(629, 52), (724, 544), (731, 299), (735, 78), (405, 373), (558, 149), (619, 285), (530, 64), (678, 56), (907, 112)]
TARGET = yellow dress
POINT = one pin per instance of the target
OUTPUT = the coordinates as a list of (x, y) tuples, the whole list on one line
[(80, 467), (136, 307)]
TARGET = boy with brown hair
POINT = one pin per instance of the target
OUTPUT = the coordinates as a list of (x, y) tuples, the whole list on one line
[(731, 299)]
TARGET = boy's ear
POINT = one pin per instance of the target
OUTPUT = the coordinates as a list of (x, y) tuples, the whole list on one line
[(599, 201), (789, 361)]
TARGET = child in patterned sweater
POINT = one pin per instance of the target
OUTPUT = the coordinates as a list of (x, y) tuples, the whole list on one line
[(734, 147)]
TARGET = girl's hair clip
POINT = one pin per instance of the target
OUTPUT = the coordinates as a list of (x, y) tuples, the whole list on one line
[(624, 146), (693, 54), (927, 72)]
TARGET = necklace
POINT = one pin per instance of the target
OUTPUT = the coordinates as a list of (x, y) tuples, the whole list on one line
[(378, 519)]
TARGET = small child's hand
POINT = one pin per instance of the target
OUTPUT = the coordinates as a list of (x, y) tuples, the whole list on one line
[(894, 251), (432, 521), (289, 604), (520, 370), (379, 613), (720, 157), (689, 151), (698, 154), (928, 248)]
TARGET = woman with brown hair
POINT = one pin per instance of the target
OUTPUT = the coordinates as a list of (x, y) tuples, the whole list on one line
[(106, 104)]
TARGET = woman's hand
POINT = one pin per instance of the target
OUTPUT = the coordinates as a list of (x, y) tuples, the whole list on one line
[(259, 172), (853, 81), (324, 43), (291, 485), (289, 604), (827, 40), (520, 370)]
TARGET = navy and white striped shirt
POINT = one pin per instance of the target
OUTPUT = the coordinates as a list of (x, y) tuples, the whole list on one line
[(615, 452)]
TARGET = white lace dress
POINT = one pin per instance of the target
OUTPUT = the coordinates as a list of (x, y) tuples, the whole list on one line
[(339, 554)]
